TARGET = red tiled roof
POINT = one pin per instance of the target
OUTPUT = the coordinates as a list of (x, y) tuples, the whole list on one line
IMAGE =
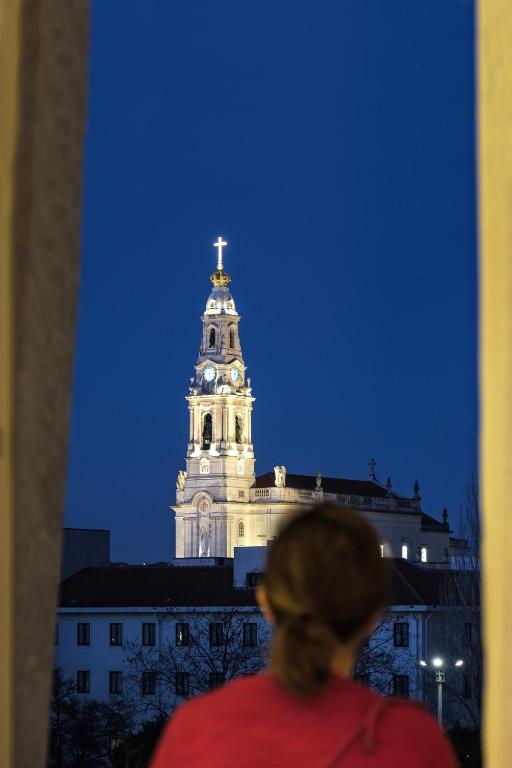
[(208, 586), (135, 585), (329, 484)]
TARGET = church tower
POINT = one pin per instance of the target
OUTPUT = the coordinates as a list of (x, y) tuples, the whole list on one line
[(214, 490)]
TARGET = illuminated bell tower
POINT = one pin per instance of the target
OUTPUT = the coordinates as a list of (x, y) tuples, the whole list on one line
[(214, 490)]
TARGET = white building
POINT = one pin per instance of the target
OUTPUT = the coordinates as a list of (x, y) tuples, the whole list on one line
[(159, 633), (221, 504)]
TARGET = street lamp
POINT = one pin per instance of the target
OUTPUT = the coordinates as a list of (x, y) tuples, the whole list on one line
[(438, 663)]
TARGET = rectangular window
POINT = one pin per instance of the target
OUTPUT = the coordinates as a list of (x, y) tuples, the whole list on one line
[(401, 685), (115, 682), (250, 633), (148, 682), (182, 633), (83, 634), (216, 679), (148, 634), (83, 681), (401, 634), (182, 683), (467, 633), (252, 579), (216, 633), (116, 634)]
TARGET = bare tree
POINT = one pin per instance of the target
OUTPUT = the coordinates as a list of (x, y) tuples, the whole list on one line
[(458, 629), (379, 659), (217, 647)]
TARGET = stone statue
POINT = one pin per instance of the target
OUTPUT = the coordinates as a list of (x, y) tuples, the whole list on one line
[(203, 541), (180, 480), (280, 476)]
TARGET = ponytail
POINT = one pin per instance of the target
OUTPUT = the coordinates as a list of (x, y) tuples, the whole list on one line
[(324, 580)]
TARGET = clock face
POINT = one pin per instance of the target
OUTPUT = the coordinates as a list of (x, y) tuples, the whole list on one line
[(235, 375), (209, 373)]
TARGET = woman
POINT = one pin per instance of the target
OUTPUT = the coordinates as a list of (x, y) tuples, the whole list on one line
[(324, 589)]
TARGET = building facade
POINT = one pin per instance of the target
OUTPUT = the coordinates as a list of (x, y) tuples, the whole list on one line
[(221, 504), (155, 635)]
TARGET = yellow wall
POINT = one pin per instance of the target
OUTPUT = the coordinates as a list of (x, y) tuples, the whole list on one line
[(495, 219), (9, 59)]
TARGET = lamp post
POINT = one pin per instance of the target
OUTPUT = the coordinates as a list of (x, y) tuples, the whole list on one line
[(437, 663)]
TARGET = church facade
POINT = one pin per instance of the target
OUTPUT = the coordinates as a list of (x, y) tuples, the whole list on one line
[(221, 504)]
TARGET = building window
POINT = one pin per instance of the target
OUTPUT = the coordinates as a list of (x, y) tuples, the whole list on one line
[(115, 683), (148, 634), (182, 633), (116, 634), (216, 679), (401, 634), (211, 339), (423, 554), (216, 633), (405, 551), (231, 338), (238, 429), (115, 742), (207, 431), (467, 633), (83, 681), (148, 682), (241, 530), (182, 683), (83, 634), (401, 685), (241, 494), (381, 547), (56, 634), (250, 633), (252, 579)]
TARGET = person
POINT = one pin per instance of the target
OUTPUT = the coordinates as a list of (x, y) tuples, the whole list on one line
[(324, 588)]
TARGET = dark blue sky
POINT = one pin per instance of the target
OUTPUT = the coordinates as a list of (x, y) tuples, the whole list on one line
[(332, 145)]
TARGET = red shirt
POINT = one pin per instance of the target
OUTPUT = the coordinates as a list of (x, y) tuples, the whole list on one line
[(254, 722)]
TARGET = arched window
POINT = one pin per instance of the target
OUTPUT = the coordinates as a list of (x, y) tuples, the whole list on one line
[(231, 338), (238, 429), (207, 431), (423, 554), (381, 547), (405, 551), (211, 338), (241, 530)]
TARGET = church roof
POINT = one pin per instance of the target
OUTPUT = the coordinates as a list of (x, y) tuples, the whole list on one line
[(329, 485), (168, 586)]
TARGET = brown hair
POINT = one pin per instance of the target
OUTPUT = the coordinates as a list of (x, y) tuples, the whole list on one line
[(324, 580)]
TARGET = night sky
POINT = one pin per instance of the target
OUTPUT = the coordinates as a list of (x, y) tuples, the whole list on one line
[(332, 145)]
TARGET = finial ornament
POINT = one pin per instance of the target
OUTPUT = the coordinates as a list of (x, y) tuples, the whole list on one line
[(416, 491), (219, 245), (220, 279), (372, 464)]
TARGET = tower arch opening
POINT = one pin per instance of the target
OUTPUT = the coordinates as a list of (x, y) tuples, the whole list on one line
[(207, 431)]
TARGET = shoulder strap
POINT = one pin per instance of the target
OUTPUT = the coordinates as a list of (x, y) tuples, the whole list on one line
[(366, 730)]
